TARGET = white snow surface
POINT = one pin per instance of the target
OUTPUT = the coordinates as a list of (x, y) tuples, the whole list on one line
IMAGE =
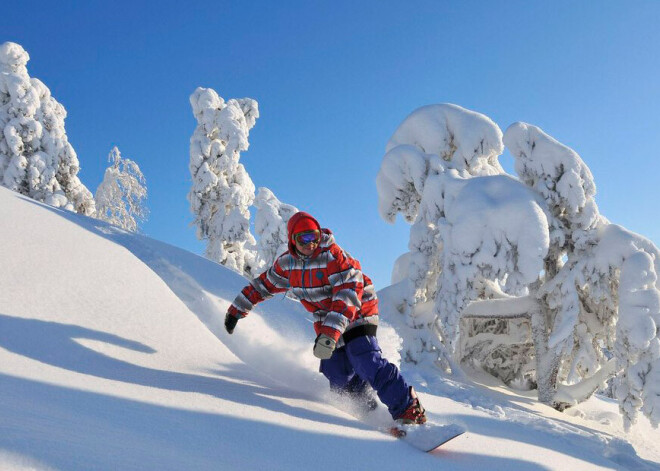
[(113, 356)]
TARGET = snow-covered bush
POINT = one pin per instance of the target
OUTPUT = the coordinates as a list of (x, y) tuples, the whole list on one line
[(533, 253), (270, 226), (121, 196), (222, 191), (36, 158)]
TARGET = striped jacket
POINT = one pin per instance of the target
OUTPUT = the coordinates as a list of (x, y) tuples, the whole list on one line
[(330, 284)]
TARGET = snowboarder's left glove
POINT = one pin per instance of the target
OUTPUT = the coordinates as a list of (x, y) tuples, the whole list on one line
[(324, 346), (231, 319), (230, 323)]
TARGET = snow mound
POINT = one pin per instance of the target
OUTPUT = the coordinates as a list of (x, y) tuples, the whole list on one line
[(113, 356)]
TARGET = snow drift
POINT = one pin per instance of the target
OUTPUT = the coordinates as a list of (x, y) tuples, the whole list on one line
[(112, 356)]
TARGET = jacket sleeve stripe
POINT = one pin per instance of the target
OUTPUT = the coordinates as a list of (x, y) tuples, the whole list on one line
[(260, 285), (346, 276), (275, 281), (277, 276), (349, 297), (243, 303), (263, 287), (336, 321), (314, 295)]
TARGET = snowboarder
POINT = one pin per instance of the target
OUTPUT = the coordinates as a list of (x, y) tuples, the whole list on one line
[(330, 284)]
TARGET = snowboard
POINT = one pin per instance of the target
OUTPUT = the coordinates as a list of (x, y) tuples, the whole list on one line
[(426, 437)]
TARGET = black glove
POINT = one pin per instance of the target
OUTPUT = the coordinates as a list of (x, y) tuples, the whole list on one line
[(230, 323)]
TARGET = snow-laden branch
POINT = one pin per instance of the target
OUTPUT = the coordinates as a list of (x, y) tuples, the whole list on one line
[(562, 179), (502, 308), (494, 232), (468, 141), (400, 182), (270, 225)]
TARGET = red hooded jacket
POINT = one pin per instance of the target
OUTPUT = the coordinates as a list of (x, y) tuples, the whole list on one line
[(329, 283)]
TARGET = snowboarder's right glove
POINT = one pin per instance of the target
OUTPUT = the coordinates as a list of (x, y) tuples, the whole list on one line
[(324, 346), (231, 319)]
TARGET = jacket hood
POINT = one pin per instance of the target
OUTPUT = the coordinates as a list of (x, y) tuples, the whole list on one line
[(292, 224)]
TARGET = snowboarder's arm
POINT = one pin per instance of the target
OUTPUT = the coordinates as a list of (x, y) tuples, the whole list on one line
[(272, 281), (345, 275)]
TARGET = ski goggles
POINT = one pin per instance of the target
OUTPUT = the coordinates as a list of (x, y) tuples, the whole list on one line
[(307, 237)]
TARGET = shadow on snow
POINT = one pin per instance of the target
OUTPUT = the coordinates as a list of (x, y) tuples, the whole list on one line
[(190, 277)]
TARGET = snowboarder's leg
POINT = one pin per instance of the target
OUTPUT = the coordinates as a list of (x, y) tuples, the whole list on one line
[(341, 374), (365, 357), (343, 380)]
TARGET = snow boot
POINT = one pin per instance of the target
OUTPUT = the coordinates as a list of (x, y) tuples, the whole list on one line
[(414, 414)]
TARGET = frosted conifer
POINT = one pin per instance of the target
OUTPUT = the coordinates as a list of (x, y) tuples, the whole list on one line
[(121, 196), (222, 190), (36, 158)]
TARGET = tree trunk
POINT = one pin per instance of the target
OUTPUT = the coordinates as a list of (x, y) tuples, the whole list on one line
[(547, 361), (547, 365)]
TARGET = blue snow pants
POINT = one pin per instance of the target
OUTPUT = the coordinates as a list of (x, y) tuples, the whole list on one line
[(359, 363)]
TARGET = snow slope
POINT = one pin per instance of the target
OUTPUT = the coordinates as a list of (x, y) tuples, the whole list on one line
[(113, 356)]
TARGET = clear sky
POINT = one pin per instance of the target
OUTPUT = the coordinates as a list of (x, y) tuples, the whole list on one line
[(334, 80)]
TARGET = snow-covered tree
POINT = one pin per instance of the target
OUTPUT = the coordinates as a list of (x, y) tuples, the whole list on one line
[(222, 191), (561, 178), (532, 252), (36, 158), (121, 196), (270, 225), (599, 296), (428, 158)]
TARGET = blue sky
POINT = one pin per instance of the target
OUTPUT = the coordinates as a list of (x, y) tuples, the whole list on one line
[(334, 80)]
